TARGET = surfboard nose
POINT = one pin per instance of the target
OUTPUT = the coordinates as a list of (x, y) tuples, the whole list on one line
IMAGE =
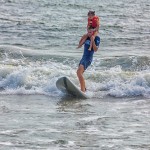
[(65, 85)]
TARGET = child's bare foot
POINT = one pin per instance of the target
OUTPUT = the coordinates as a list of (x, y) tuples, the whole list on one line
[(89, 49), (79, 46)]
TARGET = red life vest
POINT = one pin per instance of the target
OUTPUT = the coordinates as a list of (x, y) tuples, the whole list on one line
[(93, 22)]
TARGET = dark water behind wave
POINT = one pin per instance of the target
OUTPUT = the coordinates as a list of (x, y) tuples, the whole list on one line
[(58, 25)]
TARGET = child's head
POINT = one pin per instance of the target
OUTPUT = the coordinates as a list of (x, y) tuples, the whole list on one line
[(91, 14)]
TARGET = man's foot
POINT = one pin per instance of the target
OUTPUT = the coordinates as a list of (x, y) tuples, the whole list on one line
[(84, 90)]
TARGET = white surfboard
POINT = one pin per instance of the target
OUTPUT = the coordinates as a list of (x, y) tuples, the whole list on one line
[(66, 86)]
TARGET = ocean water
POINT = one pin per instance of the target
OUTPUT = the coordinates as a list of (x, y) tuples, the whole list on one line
[(38, 40)]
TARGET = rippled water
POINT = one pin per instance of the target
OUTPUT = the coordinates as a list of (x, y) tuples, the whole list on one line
[(38, 42), (58, 25), (39, 122)]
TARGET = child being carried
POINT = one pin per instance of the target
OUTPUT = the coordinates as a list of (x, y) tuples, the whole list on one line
[(94, 23)]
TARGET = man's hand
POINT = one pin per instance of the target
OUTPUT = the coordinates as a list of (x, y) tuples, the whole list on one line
[(95, 48)]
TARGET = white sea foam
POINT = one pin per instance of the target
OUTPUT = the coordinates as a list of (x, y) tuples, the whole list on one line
[(6, 143), (22, 75)]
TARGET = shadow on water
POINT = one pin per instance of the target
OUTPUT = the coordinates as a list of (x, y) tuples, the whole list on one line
[(68, 99), (70, 103)]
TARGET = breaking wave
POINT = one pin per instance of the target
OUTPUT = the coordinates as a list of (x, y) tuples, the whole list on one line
[(24, 71)]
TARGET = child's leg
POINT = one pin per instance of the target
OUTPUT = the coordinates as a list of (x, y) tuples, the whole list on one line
[(82, 40), (91, 43)]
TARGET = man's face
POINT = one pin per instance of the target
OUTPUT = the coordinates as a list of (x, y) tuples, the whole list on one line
[(90, 32)]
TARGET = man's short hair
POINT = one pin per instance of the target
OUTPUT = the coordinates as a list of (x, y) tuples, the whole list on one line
[(90, 28)]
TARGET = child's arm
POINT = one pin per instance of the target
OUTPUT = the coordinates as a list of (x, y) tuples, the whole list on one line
[(87, 27), (98, 25)]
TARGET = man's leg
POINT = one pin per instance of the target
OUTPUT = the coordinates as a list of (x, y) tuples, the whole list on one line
[(80, 76)]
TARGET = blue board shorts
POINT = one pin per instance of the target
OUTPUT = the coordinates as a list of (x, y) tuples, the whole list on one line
[(85, 63)]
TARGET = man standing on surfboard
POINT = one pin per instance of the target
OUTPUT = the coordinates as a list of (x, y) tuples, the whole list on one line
[(87, 56)]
